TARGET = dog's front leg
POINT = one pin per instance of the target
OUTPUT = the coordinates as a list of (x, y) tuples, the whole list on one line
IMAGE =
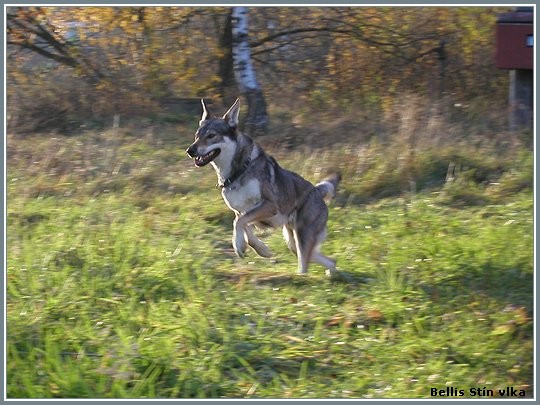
[(263, 210), (257, 244)]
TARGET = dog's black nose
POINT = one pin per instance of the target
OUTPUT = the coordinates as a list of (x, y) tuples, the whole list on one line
[(191, 151)]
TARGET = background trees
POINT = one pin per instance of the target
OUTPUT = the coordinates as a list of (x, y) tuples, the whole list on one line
[(75, 65)]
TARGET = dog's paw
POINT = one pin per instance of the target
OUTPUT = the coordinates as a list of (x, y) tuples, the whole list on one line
[(239, 242), (239, 246), (240, 253), (332, 274), (338, 276)]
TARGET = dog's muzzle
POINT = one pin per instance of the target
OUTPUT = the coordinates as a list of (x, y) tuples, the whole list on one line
[(202, 160), (192, 151)]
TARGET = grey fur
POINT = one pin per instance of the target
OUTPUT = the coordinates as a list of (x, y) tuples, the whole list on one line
[(262, 193)]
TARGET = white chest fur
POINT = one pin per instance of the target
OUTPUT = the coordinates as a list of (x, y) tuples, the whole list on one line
[(242, 198)]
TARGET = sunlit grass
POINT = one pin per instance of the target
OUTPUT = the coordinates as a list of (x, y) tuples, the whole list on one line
[(122, 281)]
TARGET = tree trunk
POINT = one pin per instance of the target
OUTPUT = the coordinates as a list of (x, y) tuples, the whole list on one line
[(227, 86), (244, 73)]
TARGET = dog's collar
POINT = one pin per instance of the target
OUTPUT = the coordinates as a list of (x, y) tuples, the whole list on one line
[(227, 182)]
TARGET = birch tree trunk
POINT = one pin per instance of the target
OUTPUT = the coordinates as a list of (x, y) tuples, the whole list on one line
[(244, 73)]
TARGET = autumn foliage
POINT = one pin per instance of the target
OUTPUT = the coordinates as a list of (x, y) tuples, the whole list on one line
[(73, 66)]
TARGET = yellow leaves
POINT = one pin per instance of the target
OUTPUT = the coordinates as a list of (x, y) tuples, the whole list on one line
[(82, 35), (374, 55), (503, 329), (294, 339), (375, 315), (519, 317), (355, 317)]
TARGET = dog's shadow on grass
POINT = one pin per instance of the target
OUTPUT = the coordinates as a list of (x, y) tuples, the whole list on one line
[(348, 277), (277, 279)]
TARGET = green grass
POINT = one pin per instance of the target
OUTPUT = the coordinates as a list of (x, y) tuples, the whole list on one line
[(121, 279)]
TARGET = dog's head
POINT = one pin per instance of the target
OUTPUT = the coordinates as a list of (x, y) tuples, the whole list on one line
[(214, 135)]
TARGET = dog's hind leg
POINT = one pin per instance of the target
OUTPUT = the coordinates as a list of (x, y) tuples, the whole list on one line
[(258, 245), (326, 261), (304, 248), (309, 252), (323, 260)]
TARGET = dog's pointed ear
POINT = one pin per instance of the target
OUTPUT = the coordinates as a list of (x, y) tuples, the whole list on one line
[(206, 114), (231, 116)]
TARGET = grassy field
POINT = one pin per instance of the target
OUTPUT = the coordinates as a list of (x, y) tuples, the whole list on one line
[(122, 283)]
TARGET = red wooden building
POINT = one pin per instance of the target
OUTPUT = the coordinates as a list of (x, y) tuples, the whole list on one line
[(515, 40), (515, 52)]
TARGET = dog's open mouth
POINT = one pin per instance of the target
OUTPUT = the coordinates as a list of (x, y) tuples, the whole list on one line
[(201, 161)]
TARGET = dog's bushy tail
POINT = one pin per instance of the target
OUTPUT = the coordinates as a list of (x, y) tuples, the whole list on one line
[(328, 187)]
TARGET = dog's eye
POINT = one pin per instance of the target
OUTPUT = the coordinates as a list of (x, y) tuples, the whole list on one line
[(211, 135)]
